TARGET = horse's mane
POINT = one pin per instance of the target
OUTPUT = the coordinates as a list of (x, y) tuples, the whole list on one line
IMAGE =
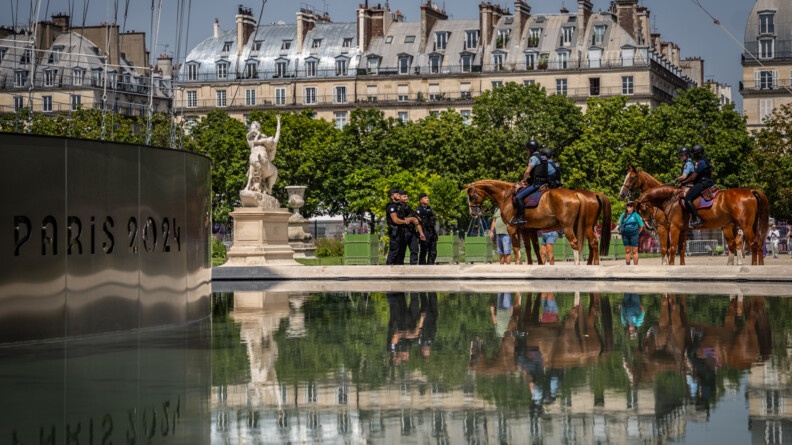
[(489, 182), (647, 176)]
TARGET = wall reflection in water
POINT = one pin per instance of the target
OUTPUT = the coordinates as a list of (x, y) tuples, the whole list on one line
[(142, 387), (517, 367)]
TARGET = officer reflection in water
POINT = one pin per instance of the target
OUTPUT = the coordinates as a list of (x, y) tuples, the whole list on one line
[(411, 323)]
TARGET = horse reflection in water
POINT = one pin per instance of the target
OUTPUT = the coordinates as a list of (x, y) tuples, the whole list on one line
[(536, 345), (699, 351)]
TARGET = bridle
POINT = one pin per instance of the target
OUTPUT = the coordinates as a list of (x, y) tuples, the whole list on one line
[(475, 209), (628, 186), (651, 222)]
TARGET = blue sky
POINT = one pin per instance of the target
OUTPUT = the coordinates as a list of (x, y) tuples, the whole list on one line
[(680, 21)]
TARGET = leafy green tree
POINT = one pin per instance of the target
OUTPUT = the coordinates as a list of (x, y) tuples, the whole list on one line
[(222, 139), (771, 163), (612, 135)]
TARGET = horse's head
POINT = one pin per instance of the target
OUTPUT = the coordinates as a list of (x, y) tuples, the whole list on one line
[(647, 212), (630, 182), (475, 199)]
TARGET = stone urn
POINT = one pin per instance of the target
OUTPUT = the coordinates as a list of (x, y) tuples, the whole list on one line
[(300, 241)]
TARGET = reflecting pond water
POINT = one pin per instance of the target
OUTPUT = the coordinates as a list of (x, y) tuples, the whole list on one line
[(420, 367)]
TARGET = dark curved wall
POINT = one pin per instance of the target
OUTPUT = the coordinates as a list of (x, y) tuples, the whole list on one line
[(98, 237)]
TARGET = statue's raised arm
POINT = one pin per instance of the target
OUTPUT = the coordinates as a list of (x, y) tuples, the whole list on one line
[(272, 143)]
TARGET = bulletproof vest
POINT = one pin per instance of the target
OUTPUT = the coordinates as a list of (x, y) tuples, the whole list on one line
[(555, 178), (427, 218), (539, 172), (707, 173), (405, 212), (389, 208)]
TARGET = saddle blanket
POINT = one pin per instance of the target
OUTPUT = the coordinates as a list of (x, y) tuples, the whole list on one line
[(700, 203), (532, 200)]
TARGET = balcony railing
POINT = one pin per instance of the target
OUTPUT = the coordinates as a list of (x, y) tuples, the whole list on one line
[(772, 85), (422, 98), (422, 70)]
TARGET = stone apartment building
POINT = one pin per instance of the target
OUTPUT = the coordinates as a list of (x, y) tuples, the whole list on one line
[(767, 62), (58, 68), (412, 69)]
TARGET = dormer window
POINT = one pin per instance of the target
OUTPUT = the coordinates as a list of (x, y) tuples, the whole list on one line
[(530, 60), (533, 37), (441, 40), (341, 66), (227, 46), (373, 64), (26, 56), (281, 67), (54, 56), (50, 77), (286, 45), (256, 45), (409, 39), (78, 76), (627, 55), (251, 69), (316, 43), (97, 79), (222, 71), (192, 71), (3, 53), (310, 66), (767, 22), (388, 40), (435, 61), (466, 60), (497, 61), (504, 36), (562, 59), (471, 39), (404, 64), (598, 37), (20, 77), (347, 42), (566, 35), (766, 48)]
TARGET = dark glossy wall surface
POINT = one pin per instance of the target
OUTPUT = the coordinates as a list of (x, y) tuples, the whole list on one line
[(100, 237)]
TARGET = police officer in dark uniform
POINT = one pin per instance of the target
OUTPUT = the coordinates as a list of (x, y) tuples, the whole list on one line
[(701, 178), (536, 174), (428, 246), (395, 227), (553, 169), (413, 232)]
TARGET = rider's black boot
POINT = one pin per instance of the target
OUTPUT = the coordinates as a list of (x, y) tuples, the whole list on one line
[(519, 213), (695, 220)]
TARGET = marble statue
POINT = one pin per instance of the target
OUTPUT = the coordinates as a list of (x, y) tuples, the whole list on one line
[(262, 173)]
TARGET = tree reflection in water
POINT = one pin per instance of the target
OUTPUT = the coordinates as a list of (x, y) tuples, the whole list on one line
[(426, 366)]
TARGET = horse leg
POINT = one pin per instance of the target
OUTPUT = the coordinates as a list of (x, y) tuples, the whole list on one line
[(682, 245), (514, 235), (662, 237), (730, 233), (593, 247), (672, 242)]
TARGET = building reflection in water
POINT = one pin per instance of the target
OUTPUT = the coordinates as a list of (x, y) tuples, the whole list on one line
[(441, 368)]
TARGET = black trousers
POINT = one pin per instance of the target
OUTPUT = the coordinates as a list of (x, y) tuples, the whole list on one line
[(395, 252), (411, 240), (428, 250)]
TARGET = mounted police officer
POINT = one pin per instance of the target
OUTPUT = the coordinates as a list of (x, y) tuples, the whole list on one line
[(701, 178), (428, 246), (396, 226), (536, 173), (687, 164), (413, 232), (553, 169)]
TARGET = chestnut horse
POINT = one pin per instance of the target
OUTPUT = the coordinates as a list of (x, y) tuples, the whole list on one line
[(557, 207), (747, 208), (638, 180), (597, 205)]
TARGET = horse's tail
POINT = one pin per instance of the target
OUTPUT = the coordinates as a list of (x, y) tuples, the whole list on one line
[(580, 231), (761, 224), (605, 238)]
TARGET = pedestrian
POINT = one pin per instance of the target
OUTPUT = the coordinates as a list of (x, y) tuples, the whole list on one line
[(500, 235), (413, 232), (428, 246), (549, 238), (789, 239), (630, 226), (632, 314), (396, 227), (774, 236)]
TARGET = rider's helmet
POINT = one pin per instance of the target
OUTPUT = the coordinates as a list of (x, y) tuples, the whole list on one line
[(546, 152), (697, 150), (532, 145), (683, 150)]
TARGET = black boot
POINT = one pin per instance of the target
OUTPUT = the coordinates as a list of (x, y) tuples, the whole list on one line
[(695, 220), (519, 213)]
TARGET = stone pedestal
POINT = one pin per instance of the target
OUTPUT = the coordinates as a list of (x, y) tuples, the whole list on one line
[(261, 238), (299, 237)]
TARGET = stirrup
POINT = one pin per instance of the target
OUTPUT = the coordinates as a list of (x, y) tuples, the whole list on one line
[(695, 223), (517, 221)]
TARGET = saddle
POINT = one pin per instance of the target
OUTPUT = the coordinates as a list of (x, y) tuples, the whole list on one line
[(705, 201), (531, 201)]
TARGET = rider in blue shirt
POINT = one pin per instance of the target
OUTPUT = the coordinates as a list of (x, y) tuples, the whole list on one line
[(701, 179), (537, 172), (687, 164)]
